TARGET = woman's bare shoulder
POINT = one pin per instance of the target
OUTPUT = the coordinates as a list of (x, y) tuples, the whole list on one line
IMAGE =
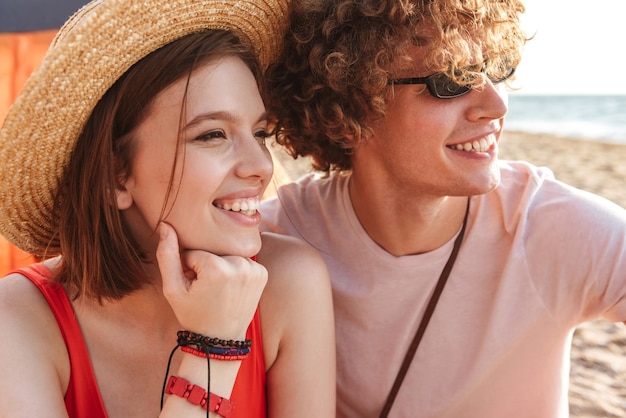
[(286, 254), (32, 348), (20, 297), (297, 294), (26, 313)]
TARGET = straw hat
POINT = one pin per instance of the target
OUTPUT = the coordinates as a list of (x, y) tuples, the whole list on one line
[(92, 50)]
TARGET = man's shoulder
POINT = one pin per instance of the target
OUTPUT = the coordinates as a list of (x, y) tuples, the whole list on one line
[(535, 192), (310, 190), (523, 173)]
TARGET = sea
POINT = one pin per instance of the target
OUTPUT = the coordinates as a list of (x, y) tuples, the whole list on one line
[(587, 117)]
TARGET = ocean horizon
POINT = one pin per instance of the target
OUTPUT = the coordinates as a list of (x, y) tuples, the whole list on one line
[(588, 117)]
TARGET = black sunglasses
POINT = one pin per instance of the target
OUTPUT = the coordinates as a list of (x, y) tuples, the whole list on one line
[(443, 87)]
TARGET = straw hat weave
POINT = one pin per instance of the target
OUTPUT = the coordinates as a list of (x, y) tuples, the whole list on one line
[(92, 50)]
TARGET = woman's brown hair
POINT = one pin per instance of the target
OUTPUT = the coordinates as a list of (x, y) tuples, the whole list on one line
[(100, 259)]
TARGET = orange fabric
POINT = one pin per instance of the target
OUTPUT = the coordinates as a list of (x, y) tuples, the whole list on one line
[(83, 399), (20, 54)]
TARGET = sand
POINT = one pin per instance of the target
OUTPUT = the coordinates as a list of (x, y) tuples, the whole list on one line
[(598, 373)]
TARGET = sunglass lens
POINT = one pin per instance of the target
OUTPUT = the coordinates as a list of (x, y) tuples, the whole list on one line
[(506, 76), (445, 88)]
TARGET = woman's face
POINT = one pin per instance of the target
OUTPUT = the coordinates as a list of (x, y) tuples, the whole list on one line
[(222, 165)]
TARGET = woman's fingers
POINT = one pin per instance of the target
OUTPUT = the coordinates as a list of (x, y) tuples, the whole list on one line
[(168, 258), (217, 296)]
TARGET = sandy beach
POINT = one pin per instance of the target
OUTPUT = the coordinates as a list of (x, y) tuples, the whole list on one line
[(598, 373)]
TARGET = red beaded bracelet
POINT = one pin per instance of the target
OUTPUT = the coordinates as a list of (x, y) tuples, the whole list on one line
[(233, 354), (198, 396)]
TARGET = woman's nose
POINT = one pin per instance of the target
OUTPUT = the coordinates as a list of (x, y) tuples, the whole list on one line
[(255, 159)]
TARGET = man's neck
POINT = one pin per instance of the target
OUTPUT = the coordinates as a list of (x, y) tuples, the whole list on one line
[(404, 225)]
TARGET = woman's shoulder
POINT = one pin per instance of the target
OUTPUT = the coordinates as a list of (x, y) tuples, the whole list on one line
[(26, 313), (297, 295), (287, 254), (20, 298), (294, 267), (33, 351)]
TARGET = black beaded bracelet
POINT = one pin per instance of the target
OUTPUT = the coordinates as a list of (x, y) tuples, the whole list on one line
[(191, 338)]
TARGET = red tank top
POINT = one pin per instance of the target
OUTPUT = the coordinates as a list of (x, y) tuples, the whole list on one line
[(83, 399)]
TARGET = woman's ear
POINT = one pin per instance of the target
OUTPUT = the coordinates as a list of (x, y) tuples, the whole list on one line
[(123, 197)]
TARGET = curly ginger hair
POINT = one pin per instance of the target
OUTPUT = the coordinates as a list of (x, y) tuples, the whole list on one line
[(330, 82)]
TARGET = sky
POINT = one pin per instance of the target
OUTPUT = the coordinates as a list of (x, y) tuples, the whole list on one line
[(579, 47)]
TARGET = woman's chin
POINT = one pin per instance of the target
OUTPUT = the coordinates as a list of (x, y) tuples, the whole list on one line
[(241, 247), (250, 248)]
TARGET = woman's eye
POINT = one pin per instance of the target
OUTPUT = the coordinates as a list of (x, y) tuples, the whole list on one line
[(209, 136), (261, 136)]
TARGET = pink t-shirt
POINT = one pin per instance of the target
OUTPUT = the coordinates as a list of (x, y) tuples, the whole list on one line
[(538, 259)]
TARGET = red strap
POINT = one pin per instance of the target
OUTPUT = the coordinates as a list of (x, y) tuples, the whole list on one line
[(198, 396)]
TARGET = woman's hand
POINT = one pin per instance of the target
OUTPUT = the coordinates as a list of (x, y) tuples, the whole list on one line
[(212, 295)]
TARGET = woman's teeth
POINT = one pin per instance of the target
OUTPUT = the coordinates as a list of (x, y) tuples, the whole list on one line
[(245, 206), (481, 145)]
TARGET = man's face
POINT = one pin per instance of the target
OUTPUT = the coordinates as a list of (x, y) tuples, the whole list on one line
[(437, 147)]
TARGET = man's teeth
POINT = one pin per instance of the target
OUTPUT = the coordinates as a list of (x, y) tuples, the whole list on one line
[(245, 206), (481, 145)]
